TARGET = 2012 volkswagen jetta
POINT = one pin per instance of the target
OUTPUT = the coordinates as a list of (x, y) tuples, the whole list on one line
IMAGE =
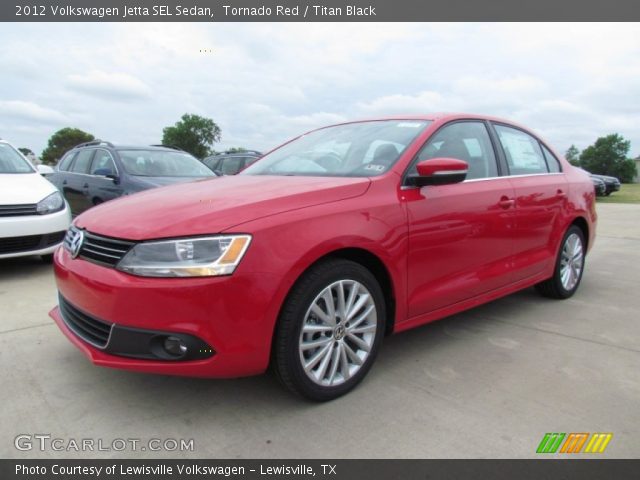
[(309, 257)]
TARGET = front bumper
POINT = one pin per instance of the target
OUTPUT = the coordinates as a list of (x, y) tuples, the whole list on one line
[(234, 316), (32, 234)]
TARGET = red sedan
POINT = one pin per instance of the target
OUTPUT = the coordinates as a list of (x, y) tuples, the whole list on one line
[(309, 257)]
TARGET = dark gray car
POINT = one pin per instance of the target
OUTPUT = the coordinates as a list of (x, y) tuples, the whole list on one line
[(98, 171), (231, 163)]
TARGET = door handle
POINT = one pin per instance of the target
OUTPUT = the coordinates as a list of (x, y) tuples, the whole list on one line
[(86, 185), (64, 182), (506, 202), (561, 194)]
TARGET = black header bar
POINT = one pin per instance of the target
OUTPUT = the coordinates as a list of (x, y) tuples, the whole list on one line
[(316, 10)]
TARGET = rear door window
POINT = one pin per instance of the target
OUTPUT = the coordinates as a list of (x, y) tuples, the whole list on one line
[(522, 151), (83, 160)]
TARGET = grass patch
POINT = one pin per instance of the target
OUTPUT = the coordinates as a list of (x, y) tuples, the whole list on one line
[(629, 193)]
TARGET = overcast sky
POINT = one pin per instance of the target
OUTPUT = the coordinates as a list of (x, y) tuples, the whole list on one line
[(264, 83)]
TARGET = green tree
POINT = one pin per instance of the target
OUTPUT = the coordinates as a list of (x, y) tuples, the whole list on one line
[(61, 141), (193, 134), (236, 150), (26, 151), (573, 155), (608, 156)]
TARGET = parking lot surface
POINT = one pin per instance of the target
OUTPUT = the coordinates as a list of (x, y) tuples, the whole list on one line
[(487, 383)]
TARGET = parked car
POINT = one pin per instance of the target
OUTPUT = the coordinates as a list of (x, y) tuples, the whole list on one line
[(230, 163), (610, 184), (98, 171), (310, 256), (33, 215), (599, 185)]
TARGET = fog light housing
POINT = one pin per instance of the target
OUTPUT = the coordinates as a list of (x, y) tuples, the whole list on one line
[(175, 346)]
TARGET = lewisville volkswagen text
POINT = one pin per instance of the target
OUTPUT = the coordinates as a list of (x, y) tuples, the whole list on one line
[(309, 257)]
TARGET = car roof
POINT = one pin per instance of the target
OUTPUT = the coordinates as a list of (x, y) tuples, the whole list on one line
[(148, 147), (247, 153), (104, 144), (437, 116), (243, 153)]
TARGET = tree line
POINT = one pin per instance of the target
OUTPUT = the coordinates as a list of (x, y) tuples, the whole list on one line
[(192, 133), (197, 135), (607, 156)]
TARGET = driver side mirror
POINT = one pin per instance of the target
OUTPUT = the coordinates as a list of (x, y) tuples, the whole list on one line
[(439, 171), (108, 173)]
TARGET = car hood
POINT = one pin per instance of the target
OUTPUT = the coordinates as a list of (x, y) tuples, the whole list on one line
[(213, 205), (23, 188)]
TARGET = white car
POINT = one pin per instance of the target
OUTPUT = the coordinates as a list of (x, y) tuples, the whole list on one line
[(33, 214)]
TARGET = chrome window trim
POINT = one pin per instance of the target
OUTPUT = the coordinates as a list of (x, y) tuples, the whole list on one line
[(472, 180), (513, 176), (450, 172)]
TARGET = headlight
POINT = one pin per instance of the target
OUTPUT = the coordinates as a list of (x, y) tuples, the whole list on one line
[(187, 257), (51, 204)]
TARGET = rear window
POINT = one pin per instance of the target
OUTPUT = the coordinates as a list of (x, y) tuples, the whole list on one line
[(65, 163), (552, 161)]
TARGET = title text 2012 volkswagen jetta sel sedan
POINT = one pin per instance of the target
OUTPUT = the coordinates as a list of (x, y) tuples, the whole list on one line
[(309, 257)]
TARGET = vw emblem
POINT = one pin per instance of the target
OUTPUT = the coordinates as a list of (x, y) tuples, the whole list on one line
[(76, 237)]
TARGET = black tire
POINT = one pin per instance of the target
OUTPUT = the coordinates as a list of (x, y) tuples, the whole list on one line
[(553, 287), (287, 353), (47, 258)]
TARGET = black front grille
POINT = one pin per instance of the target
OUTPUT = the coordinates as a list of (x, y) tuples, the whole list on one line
[(98, 249), (18, 210), (30, 242), (88, 328)]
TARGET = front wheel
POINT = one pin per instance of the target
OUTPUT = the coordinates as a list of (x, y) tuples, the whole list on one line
[(330, 330), (569, 267)]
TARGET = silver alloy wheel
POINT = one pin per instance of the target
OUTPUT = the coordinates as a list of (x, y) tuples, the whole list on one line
[(571, 262), (338, 332)]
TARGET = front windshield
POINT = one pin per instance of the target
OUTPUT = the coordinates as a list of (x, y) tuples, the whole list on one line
[(12, 162), (363, 149), (162, 163)]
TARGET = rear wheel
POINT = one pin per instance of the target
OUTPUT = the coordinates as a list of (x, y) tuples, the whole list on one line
[(330, 330), (569, 266)]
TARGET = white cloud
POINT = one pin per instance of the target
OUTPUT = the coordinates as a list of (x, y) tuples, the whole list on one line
[(426, 101), (30, 112), (112, 86), (264, 83)]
